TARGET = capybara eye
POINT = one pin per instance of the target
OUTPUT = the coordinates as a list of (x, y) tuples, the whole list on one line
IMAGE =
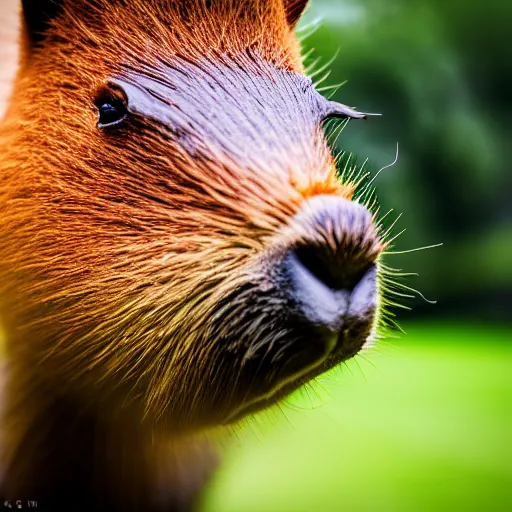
[(111, 103), (111, 113)]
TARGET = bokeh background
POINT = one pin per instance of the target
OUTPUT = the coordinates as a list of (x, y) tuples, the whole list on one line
[(424, 421)]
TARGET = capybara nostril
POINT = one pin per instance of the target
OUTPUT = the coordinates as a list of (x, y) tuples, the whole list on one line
[(335, 272), (341, 243), (332, 265)]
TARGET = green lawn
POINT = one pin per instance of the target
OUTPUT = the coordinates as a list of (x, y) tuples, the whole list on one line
[(422, 425)]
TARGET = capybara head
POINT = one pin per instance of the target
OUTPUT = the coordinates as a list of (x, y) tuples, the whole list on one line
[(174, 236)]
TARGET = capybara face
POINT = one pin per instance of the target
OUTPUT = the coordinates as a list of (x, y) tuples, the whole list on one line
[(174, 236)]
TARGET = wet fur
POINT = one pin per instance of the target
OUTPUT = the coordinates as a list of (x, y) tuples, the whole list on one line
[(125, 252)]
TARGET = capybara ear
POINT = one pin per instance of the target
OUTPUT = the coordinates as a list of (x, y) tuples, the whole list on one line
[(294, 10), (38, 14)]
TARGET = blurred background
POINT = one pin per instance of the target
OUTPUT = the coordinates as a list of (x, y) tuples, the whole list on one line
[(424, 421)]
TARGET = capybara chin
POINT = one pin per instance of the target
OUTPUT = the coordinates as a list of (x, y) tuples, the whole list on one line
[(176, 249)]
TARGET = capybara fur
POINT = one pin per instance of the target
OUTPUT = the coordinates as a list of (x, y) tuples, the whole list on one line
[(176, 250)]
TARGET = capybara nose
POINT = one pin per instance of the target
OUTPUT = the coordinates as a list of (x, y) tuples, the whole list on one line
[(332, 264)]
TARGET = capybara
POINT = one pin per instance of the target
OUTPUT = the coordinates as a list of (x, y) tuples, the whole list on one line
[(177, 251)]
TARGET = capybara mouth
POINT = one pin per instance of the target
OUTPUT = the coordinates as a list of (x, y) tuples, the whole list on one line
[(306, 366)]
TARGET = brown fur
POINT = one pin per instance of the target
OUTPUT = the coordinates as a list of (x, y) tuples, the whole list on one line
[(119, 252)]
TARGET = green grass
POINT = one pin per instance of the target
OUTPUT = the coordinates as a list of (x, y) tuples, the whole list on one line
[(423, 425)]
